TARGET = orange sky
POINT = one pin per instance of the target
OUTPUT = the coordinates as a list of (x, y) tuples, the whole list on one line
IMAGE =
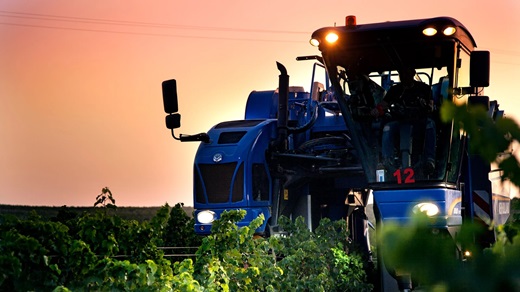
[(80, 83)]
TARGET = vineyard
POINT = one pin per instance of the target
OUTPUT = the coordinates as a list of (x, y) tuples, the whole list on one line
[(93, 251), (100, 251)]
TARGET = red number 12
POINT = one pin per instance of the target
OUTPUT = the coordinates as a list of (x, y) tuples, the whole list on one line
[(408, 174)]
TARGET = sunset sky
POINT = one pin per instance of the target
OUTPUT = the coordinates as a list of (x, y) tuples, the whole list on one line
[(80, 82)]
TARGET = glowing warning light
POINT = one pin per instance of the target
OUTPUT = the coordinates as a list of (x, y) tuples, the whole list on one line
[(450, 30), (331, 38), (314, 42), (467, 253), (429, 31)]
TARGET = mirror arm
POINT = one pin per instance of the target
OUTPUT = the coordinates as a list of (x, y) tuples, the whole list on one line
[(173, 135), (202, 137)]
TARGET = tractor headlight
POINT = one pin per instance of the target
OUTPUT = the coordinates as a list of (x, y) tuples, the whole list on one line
[(206, 216), (449, 30), (430, 209), (429, 31), (315, 42), (331, 38)]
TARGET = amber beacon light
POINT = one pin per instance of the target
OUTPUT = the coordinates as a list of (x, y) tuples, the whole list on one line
[(350, 21)]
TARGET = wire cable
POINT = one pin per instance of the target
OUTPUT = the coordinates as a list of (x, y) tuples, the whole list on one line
[(49, 17), (150, 34)]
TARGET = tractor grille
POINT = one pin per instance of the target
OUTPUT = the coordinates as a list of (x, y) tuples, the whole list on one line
[(217, 181)]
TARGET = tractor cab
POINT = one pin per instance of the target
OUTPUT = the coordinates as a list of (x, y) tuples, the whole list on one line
[(364, 61)]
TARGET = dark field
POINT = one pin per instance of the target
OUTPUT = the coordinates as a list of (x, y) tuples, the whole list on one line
[(129, 213)]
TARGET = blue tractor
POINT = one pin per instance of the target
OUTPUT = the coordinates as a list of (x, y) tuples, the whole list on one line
[(291, 155), (320, 153)]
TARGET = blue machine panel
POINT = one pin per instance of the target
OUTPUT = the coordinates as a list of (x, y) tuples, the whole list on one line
[(398, 205)]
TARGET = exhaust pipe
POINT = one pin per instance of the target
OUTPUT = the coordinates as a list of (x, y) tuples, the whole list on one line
[(283, 112)]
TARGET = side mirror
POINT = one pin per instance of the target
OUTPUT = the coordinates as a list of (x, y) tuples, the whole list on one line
[(169, 91), (479, 69), (173, 121)]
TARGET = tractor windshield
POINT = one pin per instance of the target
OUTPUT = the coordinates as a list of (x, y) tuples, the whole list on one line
[(400, 138), (394, 116)]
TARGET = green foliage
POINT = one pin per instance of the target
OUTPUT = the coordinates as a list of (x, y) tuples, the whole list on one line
[(179, 230), (27, 248), (95, 251), (349, 272), (103, 252), (24, 264), (320, 260), (233, 259), (183, 279), (123, 275), (435, 262), (430, 255), (489, 138), (158, 225), (105, 199), (40, 255)]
